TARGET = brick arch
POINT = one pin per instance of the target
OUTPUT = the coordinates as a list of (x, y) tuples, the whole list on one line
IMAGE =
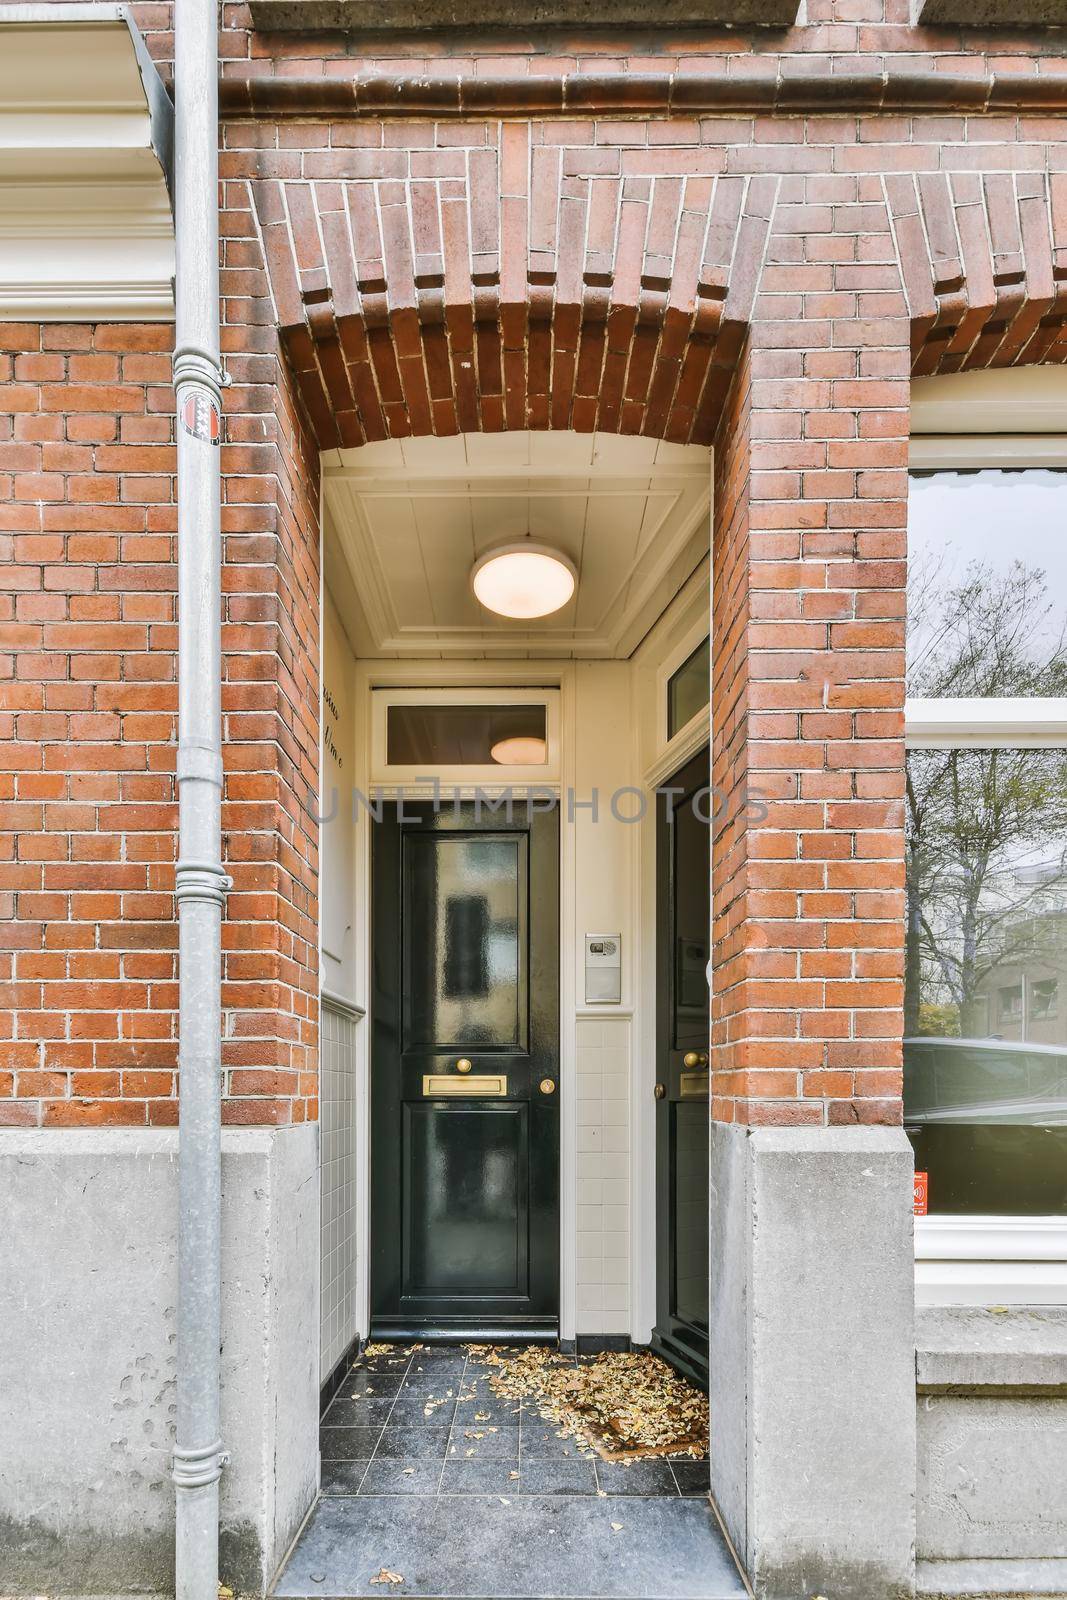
[(514, 294), (983, 258)]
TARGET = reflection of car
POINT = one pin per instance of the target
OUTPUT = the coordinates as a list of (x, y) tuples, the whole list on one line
[(988, 1122), (984, 1080)]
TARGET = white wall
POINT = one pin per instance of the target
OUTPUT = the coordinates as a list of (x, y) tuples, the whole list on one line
[(339, 1309), (337, 851), (604, 852)]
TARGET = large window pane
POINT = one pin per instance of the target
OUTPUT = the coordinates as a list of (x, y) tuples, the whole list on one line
[(985, 1009), (987, 584)]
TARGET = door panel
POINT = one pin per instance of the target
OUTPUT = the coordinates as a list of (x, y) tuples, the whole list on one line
[(467, 1181), (465, 1102), (683, 917)]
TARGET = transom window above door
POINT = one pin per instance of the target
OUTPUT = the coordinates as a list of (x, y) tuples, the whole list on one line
[(468, 737)]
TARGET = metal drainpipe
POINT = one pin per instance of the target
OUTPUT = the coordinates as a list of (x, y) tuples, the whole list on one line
[(201, 883)]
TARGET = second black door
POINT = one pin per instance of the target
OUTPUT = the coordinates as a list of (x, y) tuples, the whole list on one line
[(683, 920), (464, 1073)]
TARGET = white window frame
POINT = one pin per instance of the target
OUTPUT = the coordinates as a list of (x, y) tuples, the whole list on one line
[(674, 752), (987, 1260), (464, 779)]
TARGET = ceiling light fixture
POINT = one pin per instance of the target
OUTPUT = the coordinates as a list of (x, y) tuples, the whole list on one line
[(523, 580), (522, 750)]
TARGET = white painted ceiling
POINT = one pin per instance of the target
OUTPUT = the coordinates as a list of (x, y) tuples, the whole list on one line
[(406, 519)]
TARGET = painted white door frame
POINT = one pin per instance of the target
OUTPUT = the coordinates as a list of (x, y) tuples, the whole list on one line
[(437, 678)]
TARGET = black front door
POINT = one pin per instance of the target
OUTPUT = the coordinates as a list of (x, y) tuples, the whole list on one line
[(464, 1072), (683, 917)]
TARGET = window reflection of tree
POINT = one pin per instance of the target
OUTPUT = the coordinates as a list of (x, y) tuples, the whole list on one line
[(986, 829)]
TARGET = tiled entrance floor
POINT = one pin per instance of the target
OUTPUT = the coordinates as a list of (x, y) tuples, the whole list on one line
[(427, 1474)]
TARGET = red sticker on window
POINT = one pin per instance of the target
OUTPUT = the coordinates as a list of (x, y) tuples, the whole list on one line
[(922, 1193), (200, 417)]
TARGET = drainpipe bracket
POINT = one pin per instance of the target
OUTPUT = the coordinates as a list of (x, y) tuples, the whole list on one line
[(201, 368), (196, 1469), (201, 880)]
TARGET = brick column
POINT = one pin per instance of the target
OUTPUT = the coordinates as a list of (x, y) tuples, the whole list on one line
[(812, 1354), (809, 618)]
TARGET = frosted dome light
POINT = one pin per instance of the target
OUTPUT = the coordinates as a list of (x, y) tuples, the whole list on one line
[(523, 580)]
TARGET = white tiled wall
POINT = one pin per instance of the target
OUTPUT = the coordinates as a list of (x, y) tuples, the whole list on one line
[(337, 1111), (603, 1062)]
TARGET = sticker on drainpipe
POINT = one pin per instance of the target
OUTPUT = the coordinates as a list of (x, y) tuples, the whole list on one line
[(200, 417), (922, 1193)]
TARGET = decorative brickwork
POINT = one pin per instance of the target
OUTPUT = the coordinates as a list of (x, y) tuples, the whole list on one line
[(984, 258), (715, 237), (454, 277)]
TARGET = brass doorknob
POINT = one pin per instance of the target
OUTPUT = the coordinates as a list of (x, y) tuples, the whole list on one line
[(463, 1065), (660, 1091), (548, 1086), (695, 1058)]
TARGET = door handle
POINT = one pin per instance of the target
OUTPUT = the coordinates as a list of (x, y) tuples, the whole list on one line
[(695, 1058), (463, 1064), (660, 1091), (547, 1086)]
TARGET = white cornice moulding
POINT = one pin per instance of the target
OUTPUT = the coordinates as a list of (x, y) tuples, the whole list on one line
[(86, 229), (88, 302)]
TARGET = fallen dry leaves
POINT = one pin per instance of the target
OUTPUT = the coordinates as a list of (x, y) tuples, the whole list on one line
[(385, 1576), (625, 1404)]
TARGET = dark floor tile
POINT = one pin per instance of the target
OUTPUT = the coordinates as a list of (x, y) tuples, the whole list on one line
[(375, 1385), (648, 1476), (386, 1365), (402, 1477), (541, 1440), (480, 1477), (534, 1546), (361, 1413), (432, 1383), (412, 1444), (479, 1404), (692, 1477), (435, 1377), (343, 1477), (348, 1444), (423, 1410), (558, 1477), (473, 1418), (483, 1441)]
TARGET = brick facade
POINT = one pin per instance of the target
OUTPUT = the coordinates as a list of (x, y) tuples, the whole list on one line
[(654, 246), (89, 698)]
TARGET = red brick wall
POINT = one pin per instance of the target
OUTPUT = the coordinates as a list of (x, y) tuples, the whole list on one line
[(586, 270), (88, 697), (808, 714)]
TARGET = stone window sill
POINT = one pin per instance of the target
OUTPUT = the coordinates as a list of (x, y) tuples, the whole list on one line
[(972, 1349)]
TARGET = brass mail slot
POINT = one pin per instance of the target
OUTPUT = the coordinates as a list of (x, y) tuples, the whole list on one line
[(694, 1086), (437, 1084)]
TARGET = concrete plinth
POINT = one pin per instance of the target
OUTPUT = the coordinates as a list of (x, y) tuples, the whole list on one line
[(812, 1358), (88, 1284)]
